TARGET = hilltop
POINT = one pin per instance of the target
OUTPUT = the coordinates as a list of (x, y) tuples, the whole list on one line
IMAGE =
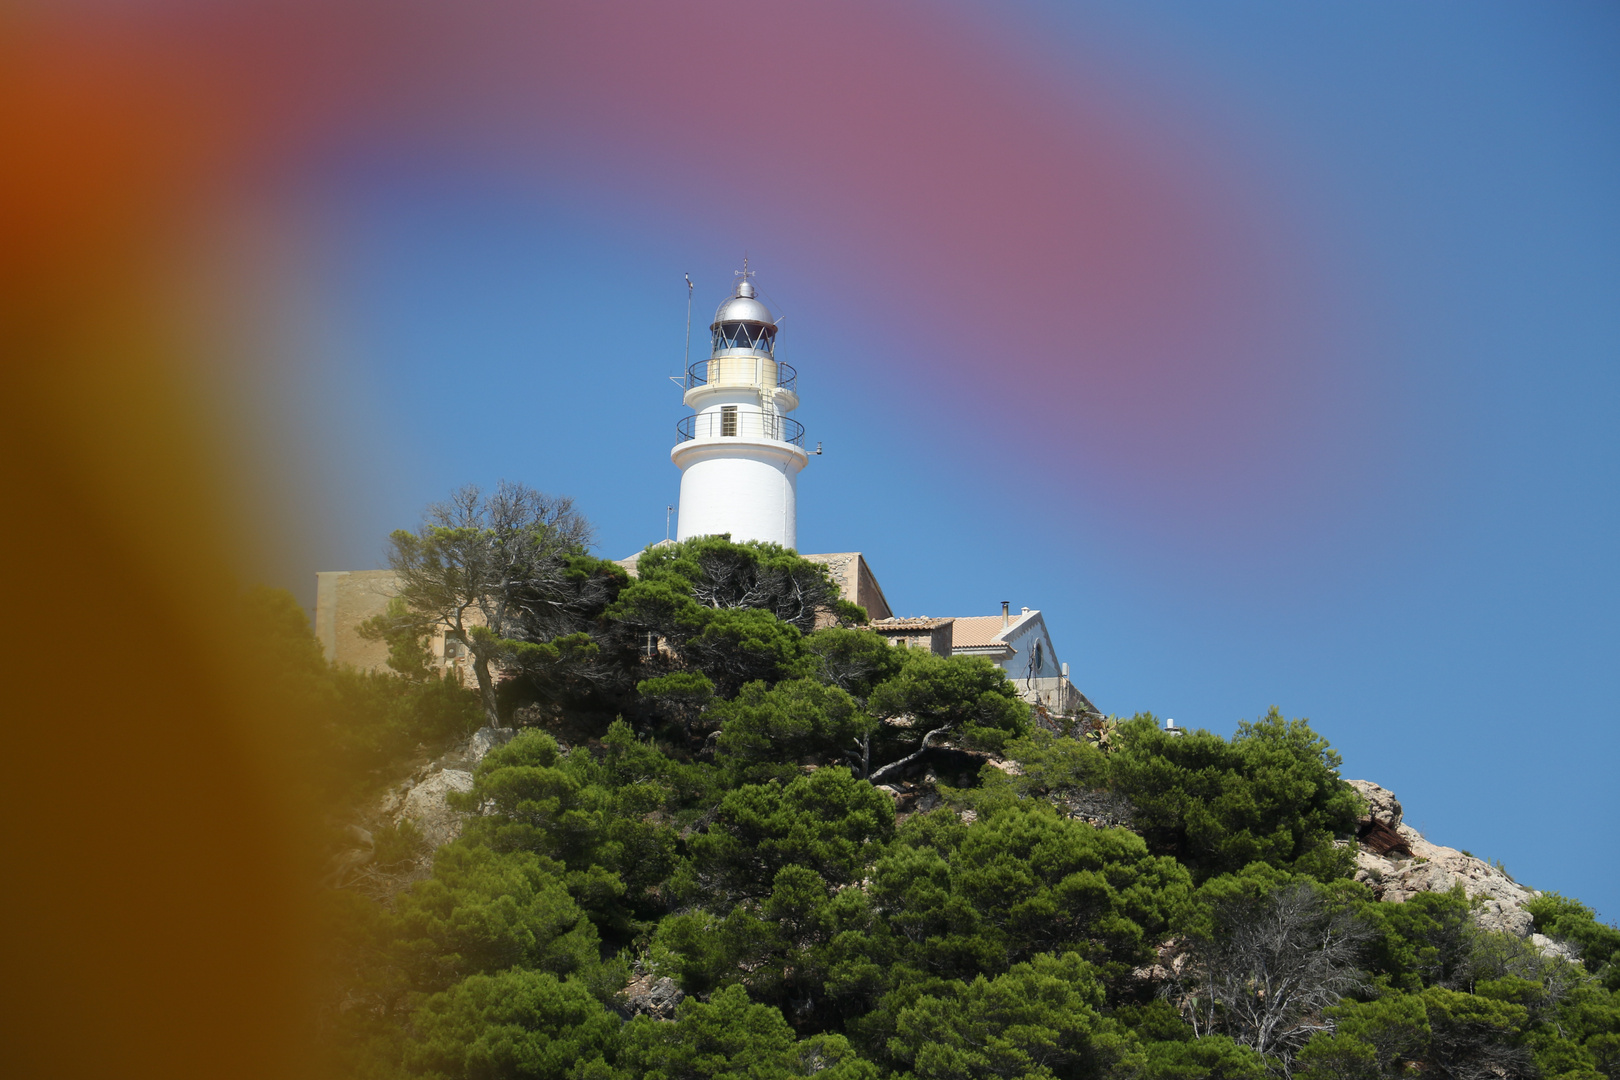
[(752, 838)]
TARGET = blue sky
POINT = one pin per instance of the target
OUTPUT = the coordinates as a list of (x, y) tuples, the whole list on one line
[(1411, 540)]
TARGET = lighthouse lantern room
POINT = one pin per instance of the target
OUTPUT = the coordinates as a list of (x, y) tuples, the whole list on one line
[(739, 452)]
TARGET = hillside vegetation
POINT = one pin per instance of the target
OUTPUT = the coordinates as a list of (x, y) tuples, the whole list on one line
[(717, 847)]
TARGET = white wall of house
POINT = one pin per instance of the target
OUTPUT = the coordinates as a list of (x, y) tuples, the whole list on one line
[(1033, 656)]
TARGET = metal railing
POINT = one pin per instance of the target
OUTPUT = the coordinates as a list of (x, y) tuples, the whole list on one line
[(750, 370), (740, 425)]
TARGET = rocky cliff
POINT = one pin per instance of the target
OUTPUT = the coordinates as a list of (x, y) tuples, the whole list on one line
[(1398, 863)]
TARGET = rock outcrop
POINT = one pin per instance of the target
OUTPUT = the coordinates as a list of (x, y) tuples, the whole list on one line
[(1382, 805), (1411, 865), (421, 799), (486, 739), (425, 805), (649, 995)]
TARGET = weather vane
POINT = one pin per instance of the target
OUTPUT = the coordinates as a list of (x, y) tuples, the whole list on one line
[(744, 273)]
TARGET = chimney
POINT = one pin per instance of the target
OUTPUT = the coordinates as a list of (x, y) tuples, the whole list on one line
[(1006, 606)]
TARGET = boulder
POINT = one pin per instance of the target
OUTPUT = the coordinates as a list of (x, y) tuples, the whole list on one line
[(1555, 949), (649, 995), (486, 739), (1382, 805), (426, 806), (1504, 918)]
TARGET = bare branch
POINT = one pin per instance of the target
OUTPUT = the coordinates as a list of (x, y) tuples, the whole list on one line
[(913, 756)]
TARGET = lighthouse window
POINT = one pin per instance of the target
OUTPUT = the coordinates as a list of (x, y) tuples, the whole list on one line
[(728, 420), (743, 336)]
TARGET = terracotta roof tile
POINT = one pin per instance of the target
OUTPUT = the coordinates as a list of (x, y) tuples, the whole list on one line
[(976, 631), (984, 631)]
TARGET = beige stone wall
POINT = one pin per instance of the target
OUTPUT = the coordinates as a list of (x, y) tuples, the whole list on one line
[(931, 634), (343, 600), (936, 641), (346, 598), (869, 594), (855, 580), (850, 572)]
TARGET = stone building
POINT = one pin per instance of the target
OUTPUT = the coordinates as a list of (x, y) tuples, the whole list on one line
[(856, 582), (931, 634), (849, 570), (343, 600), (346, 598)]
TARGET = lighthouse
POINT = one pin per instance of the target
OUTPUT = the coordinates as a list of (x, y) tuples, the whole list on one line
[(739, 451)]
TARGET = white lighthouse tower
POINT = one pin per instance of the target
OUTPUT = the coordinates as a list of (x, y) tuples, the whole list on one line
[(739, 452)]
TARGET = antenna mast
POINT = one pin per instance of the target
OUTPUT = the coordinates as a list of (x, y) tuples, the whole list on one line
[(686, 364)]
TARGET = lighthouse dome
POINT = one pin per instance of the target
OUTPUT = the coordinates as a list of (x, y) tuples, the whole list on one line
[(743, 306)]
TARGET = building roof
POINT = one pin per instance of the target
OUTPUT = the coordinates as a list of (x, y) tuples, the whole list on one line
[(984, 631), (907, 624), (977, 630), (743, 305)]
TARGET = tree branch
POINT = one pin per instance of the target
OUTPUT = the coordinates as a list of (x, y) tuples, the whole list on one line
[(913, 756)]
